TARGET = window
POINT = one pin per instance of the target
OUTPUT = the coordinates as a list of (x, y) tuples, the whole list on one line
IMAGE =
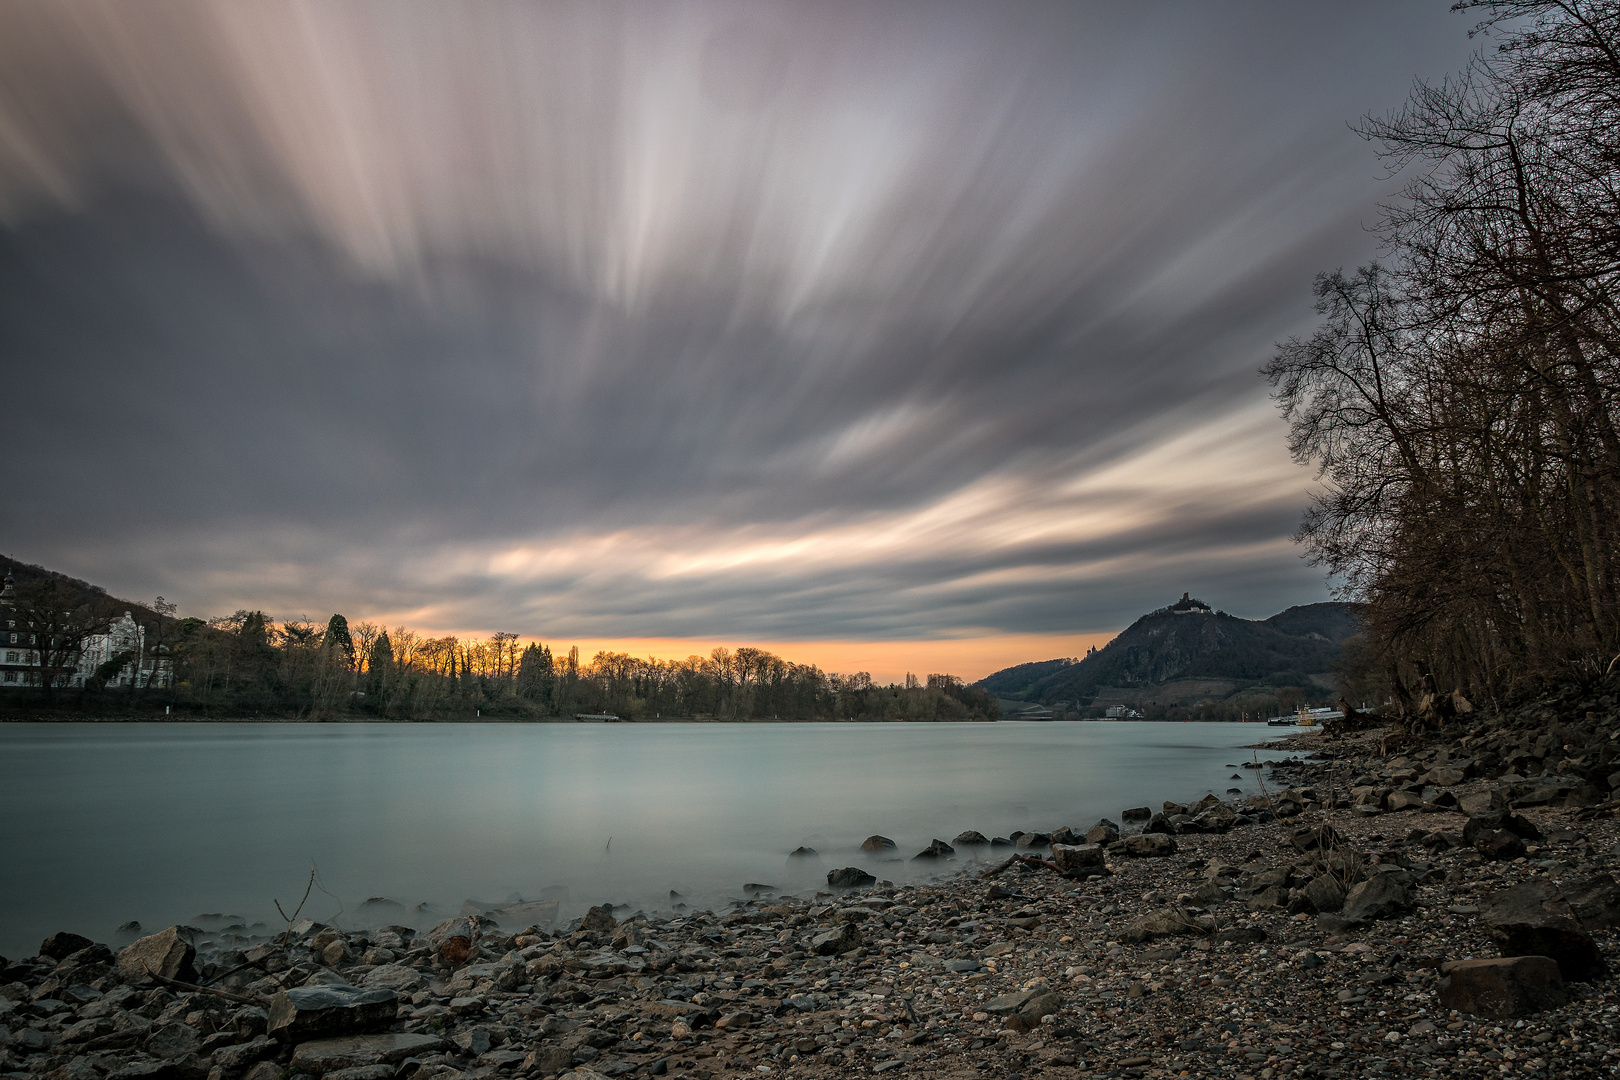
[(11, 657), (11, 676)]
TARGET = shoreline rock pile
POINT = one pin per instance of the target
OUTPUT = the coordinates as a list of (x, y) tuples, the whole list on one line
[(1445, 909)]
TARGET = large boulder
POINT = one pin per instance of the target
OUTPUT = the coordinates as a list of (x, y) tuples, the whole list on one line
[(1480, 802), (1595, 901), (1502, 987), (315, 1012), (971, 838), (877, 844), (1136, 813), (1379, 897), (1534, 920), (1150, 846), (850, 877), (1403, 800), (937, 849), (167, 953)]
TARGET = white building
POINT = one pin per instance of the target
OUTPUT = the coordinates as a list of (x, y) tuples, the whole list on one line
[(123, 636)]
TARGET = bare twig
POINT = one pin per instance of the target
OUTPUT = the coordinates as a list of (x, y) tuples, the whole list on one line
[(1027, 860), (216, 991), (1260, 775), (286, 938)]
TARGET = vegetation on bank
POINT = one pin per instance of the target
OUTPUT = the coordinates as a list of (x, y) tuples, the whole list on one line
[(1462, 398), (247, 664)]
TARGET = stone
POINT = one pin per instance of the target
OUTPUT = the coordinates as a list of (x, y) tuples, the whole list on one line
[(1136, 813), (599, 919), (356, 1051), (1479, 802), (1150, 846), (1403, 800), (166, 953), (395, 977), (1065, 835), (1379, 897), (1595, 901), (453, 940), (548, 1060), (1502, 987), (833, 942), (802, 852), (1534, 920), (1104, 832), (970, 838), (1030, 840), (1501, 845), (315, 1012), (875, 844), (850, 877), (937, 849), (172, 1041), (362, 1072), (1325, 893), (1075, 857), (1166, 922), (264, 1070), (1444, 776), (1240, 935), (61, 945), (240, 1055)]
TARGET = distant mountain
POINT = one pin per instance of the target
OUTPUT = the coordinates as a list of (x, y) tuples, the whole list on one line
[(1206, 652)]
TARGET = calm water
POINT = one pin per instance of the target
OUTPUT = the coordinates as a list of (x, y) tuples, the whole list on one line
[(103, 823)]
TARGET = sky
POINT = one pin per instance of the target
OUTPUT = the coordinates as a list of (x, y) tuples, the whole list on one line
[(898, 336)]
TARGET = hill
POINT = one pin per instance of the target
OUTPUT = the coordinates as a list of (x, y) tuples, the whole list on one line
[(1188, 651)]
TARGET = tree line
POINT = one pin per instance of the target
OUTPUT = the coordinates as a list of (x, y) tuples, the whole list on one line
[(1460, 396), (248, 664), (247, 661)]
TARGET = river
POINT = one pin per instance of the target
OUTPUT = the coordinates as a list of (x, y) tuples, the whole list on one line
[(101, 824)]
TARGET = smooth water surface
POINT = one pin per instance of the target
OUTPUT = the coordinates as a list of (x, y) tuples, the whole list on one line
[(104, 823)]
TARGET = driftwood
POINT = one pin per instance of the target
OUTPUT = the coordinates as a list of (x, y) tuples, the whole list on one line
[(1027, 860), (216, 991)]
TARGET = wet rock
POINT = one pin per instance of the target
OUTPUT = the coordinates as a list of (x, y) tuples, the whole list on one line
[(970, 838), (167, 953), (876, 845), (1379, 897), (1533, 920), (1136, 813), (314, 1012), (61, 945), (938, 849), (804, 853), (850, 877), (1150, 846), (355, 1051), (1031, 840), (833, 942), (1502, 988), (1480, 802), (1595, 901)]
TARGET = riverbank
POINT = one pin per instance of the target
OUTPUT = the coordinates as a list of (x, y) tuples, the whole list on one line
[(1212, 945)]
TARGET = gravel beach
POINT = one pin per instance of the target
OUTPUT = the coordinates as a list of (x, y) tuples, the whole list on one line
[(1315, 930)]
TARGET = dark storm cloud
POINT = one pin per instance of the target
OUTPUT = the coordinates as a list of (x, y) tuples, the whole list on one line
[(780, 321)]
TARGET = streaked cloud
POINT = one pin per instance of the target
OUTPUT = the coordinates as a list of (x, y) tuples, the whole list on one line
[(775, 322)]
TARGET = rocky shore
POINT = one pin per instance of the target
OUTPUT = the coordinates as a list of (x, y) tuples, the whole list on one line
[(1421, 907)]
